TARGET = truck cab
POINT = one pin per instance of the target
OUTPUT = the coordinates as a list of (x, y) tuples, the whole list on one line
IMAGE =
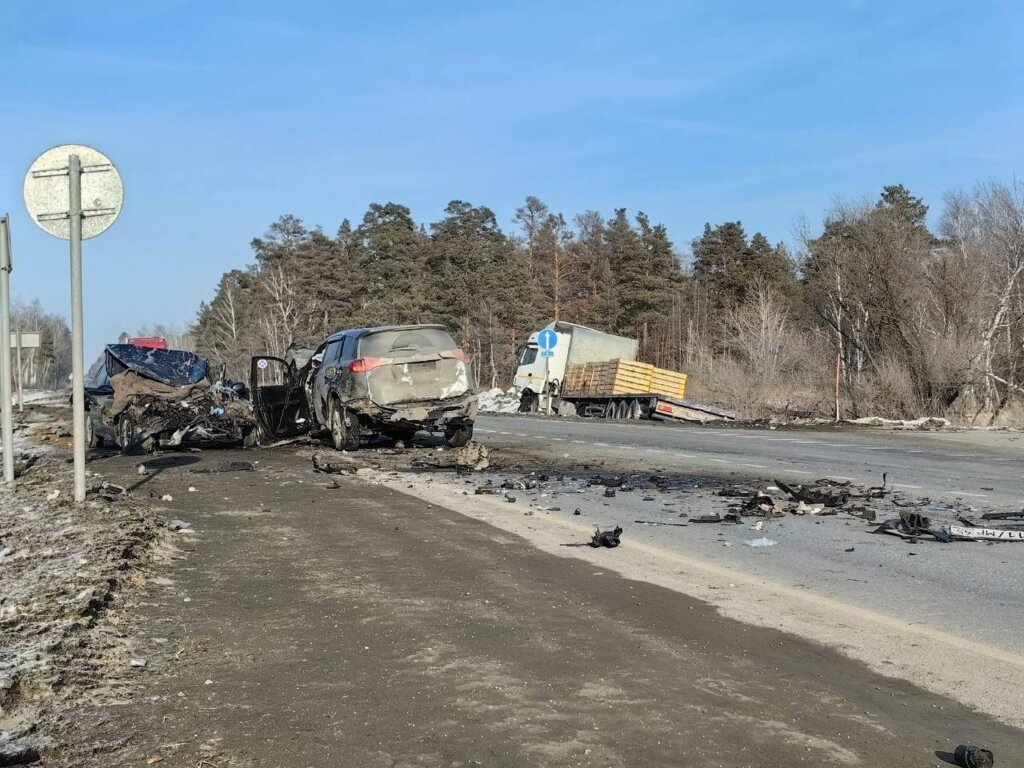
[(535, 369)]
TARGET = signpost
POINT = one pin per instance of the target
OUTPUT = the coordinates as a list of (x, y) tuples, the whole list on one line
[(7, 406), (74, 192), (547, 340), (21, 340)]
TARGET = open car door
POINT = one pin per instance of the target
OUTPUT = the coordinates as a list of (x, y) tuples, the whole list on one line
[(278, 399)]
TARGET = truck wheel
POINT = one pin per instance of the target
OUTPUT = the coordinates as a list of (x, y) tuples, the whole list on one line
[(344, 428), (634, 410), (610, 409), (459, 436), (622, 410)]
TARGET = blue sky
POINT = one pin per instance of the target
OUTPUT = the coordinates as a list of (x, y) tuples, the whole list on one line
[(222, 116)]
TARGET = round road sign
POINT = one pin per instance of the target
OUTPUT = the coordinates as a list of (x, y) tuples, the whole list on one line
[(48, 200)]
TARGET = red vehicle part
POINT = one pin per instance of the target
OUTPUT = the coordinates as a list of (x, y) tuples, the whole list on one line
[(148, 342)]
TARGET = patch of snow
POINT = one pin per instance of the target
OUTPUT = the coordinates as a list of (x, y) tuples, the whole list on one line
[(925, 422), (500, 400)]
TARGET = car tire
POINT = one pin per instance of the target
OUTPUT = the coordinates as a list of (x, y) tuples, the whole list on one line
[(92, 440), (458, 436), (344, 428), (127, 439)]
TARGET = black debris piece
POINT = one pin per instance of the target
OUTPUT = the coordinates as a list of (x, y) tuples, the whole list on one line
[(968, 756), (609, 493), (912, 525), (320, 464), (608, 539), (248, 466), (1003, 515), (712, 518), (831, 493)]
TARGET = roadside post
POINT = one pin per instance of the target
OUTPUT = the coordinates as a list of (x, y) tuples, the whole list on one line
[(21, 340), (5, 349), (547, 340), (56, 185)]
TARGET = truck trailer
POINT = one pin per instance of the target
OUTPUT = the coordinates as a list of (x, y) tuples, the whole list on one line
[(591, 373)]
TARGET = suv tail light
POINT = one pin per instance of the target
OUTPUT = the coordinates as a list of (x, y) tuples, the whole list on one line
[(364, 364), (457, 354)]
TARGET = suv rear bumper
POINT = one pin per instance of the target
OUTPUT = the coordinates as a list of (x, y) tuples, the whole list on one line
[(429, 414)]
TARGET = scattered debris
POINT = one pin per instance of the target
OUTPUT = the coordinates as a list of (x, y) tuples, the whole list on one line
[(325, 464), (138, 663), (658, 522), (167, 497), (608, 539), (762, 542), (53, 495), (178, 525), (143, 469)]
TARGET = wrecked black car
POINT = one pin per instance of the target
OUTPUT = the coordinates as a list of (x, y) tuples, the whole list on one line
[(391, 381), (141, 399)]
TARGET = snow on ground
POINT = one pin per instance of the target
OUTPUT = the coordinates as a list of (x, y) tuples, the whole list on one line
[(44, 397), (500, 400), (925, 422), (62, 566)]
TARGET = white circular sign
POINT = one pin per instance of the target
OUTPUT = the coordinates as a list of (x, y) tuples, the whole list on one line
[(261, 363), (49, 201)]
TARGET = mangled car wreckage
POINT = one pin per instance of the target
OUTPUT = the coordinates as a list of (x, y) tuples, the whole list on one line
[(391, 381), (142, 399)]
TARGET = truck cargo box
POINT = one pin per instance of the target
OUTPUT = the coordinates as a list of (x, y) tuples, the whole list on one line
[(622, 377)]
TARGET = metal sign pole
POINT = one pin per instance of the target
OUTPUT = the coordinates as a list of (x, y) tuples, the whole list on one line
[(77, 353), (5, 349), (17, 365)]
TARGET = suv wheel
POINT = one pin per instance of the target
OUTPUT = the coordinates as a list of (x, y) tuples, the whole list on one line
[(457, 437), (344, 428)]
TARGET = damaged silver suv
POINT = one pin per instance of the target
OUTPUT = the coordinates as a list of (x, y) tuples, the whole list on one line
[(391, 381)]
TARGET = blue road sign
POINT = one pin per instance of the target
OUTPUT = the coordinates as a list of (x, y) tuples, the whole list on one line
[(547, 353), (547, 339)]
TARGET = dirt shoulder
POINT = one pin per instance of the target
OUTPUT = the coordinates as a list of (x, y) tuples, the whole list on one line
[(323, 620), (67, 572)]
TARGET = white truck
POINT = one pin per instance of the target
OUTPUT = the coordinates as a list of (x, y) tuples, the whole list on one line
[(540, 378)]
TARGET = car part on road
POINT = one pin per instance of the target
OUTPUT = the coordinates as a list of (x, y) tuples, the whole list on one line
[(609, 539), (968, 756), (912, 525), (658, 522)]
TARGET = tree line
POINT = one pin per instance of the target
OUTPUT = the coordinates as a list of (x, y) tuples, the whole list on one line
[(913, 321)]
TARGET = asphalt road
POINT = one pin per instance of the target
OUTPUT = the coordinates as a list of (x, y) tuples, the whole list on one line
[(983, 468), (966, 589), (319, 620)]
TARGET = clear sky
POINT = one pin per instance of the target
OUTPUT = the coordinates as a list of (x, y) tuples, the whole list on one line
[(224, 115)]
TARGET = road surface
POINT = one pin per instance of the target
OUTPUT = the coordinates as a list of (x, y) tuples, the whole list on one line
[(320, 620), (984, 468)]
